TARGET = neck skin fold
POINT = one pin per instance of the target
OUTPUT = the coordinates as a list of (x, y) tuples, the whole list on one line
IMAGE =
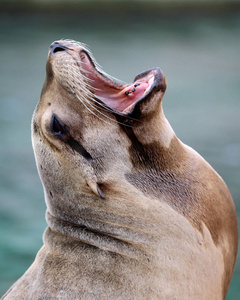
[(116, 234)]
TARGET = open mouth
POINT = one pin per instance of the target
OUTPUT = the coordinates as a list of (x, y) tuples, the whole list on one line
[(121, 98)]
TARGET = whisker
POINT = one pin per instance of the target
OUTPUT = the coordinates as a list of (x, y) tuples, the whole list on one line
[(92, 112), (73, 77), (86, 48), (89, 86), (103, 107), (97, 109)]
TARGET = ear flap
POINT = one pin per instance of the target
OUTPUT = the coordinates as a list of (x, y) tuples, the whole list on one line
[(95, 188)]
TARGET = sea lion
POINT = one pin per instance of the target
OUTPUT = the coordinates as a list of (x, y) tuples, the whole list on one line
[(132, 212)]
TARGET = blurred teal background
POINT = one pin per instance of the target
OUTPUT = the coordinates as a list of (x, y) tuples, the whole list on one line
[(196, 46)]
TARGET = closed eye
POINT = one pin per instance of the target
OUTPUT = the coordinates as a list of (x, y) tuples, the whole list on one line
[(57, 127), (60, 130)]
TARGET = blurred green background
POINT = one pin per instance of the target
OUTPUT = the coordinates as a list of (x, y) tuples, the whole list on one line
[(195, 43)]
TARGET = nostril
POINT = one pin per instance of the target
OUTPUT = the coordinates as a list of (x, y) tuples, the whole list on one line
[(56, 47)]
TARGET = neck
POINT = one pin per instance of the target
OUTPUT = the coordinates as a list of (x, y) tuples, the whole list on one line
[(105, 235)]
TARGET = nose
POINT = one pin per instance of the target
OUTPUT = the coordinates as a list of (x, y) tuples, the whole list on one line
[(56, 47)]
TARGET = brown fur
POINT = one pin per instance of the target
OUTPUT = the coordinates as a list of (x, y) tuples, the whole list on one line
[(167, 227)]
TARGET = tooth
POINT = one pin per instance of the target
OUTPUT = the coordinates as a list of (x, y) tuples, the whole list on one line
[(133, 90), (128, 92), (136, 84)]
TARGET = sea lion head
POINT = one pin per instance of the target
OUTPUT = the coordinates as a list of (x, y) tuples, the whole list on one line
[(78, 124)]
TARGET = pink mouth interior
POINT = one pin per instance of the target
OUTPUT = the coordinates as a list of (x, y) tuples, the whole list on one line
[(119, 97)]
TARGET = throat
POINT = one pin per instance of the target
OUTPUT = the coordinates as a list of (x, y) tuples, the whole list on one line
[(106, 237)]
